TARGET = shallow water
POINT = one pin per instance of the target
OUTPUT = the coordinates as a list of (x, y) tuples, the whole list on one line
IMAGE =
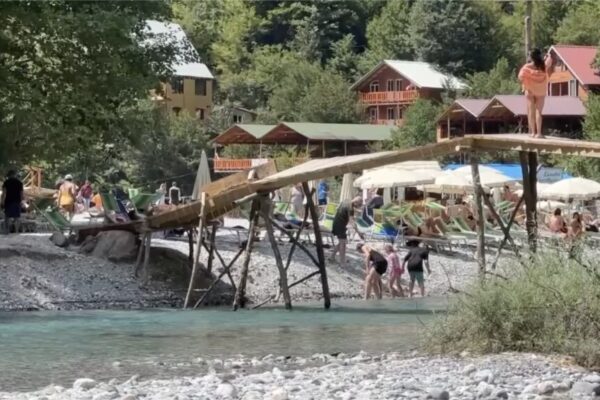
[(40, 348)]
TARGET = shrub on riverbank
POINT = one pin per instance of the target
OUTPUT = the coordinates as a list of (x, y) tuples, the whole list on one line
[(550, 306)]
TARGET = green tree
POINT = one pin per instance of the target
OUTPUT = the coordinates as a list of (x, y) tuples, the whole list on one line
[(580, 25), (72, 70), (419, 126), (344, 58), (388, 33), (460, 36), (499, 80)]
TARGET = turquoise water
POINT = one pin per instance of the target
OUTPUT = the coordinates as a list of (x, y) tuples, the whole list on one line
[(56, 347)]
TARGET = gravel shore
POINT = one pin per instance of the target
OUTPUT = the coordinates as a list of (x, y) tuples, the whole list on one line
[(359, 376)]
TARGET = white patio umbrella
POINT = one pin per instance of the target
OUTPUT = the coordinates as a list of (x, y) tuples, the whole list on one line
[(347, 191), (449, 182), (490, 177), (388, 178), (202, 176), (572, 189)]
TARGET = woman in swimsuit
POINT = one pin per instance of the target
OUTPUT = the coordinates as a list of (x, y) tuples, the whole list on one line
[(575, 227), (534, 79), (557, 223), (396, 271), (375, 267)]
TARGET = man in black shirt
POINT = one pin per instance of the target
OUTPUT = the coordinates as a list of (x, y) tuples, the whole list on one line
[(10, 202), (413, 262), (343, 215)]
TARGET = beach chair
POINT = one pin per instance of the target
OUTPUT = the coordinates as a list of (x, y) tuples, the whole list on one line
[(141, 201), (114, 210), (326, 221), (56, 219)]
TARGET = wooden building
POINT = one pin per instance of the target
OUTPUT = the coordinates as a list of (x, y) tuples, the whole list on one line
[(573, 73), (393, 85), (309, 140), (191, 87), (562, 115)]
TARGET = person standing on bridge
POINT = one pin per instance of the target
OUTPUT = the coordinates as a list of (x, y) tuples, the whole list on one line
[(174, 194), (534, 78)]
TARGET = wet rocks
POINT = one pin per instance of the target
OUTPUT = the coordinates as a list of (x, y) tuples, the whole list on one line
[(84, 384)]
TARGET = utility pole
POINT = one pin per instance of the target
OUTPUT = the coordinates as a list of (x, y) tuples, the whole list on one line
[(528, 8)]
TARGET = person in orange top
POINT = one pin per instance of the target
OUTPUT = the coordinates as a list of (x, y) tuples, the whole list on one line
[(534, 78)]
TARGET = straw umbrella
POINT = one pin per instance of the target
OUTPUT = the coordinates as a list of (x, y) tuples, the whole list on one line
[(202, 176), (347, 191), (572, 189)]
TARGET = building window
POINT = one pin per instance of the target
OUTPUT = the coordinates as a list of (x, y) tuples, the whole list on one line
[(374, 86), (573, 88), (390, 85), (200, 87), (176, 110), (399, 85), (372, 113), (391, 113), (237, 119), (399, 116), (177, 85), (200, 113)]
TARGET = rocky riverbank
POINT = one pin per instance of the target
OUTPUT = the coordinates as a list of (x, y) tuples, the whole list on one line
[(359, 376)]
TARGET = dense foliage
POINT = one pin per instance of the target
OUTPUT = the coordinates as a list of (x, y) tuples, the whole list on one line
[(76, 72), (549, 306)]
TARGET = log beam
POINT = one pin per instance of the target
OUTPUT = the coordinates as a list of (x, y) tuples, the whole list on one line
[(198, 249)]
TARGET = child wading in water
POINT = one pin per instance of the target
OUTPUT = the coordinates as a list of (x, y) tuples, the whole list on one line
[(396, 271)]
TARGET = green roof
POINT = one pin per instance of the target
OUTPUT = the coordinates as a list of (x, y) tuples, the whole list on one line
[(358, 132), (256, 130)]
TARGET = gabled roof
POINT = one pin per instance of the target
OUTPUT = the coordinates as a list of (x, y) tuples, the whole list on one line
[(187, 63), (554, 106), (294, 132), (472, 106), (420, 74), (243, 134), (578, 60)]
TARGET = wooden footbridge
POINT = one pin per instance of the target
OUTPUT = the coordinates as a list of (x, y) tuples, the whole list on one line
[(226, 194)]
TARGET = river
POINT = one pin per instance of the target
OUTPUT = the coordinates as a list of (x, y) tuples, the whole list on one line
[(40, 348)]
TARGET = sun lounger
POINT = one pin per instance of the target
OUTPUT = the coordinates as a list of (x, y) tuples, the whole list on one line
[(56, 219), (114, 210), (141, 201)]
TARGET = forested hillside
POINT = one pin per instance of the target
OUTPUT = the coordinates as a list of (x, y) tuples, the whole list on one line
[(77, 74)]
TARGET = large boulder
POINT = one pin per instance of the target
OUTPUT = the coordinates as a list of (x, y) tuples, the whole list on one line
[(59, 239), (115, 246)]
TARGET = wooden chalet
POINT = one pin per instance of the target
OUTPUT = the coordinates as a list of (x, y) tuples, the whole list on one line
[(573, 73), (562, 115), (310, 140), (393, 85)]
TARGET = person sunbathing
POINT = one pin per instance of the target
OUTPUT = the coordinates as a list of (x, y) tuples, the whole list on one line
[(431, 227), (557, 223), (575, 227)]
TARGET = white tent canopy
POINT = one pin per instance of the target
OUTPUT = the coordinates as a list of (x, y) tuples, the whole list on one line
[(202, 176), (571, 189)]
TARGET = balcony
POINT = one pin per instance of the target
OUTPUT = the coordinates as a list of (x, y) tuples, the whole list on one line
[(394, 122), (236, 165), (399, 97)]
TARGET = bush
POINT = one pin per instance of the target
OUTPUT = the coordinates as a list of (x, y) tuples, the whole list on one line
[(552, 306)]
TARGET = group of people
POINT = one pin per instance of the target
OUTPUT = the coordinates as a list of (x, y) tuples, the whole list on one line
[(377, 264), (71, 198), (572, 230)]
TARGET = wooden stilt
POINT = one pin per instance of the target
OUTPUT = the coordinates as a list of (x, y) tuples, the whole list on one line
[(138, 260), (265, 209), (508, 225), (147, 257), (296, 238), (240, 293), (318, 246), (298, 244), (479, 214), (191, 248), (214, 283), (211, 251), (505, 229), (198, 249), (529, 161)]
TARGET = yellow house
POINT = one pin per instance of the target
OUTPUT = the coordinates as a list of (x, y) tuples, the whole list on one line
[(191, 86)]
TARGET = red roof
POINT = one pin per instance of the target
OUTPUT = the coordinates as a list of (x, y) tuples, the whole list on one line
[(554, 106), (473, 106), (579, 60)]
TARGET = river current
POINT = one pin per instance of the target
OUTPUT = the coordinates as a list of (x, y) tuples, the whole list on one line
[(40, 348)]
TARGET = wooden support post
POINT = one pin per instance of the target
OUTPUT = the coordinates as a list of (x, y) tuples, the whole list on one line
[(318, 245), (211, 251), (479, 214), (138, 260), (265, 208), (297, 238), (505, 229), (240, 293), (191, 248), (300, 245), (226, 269), (529, 170), (147, 257), (198, 249), (508, 225)]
